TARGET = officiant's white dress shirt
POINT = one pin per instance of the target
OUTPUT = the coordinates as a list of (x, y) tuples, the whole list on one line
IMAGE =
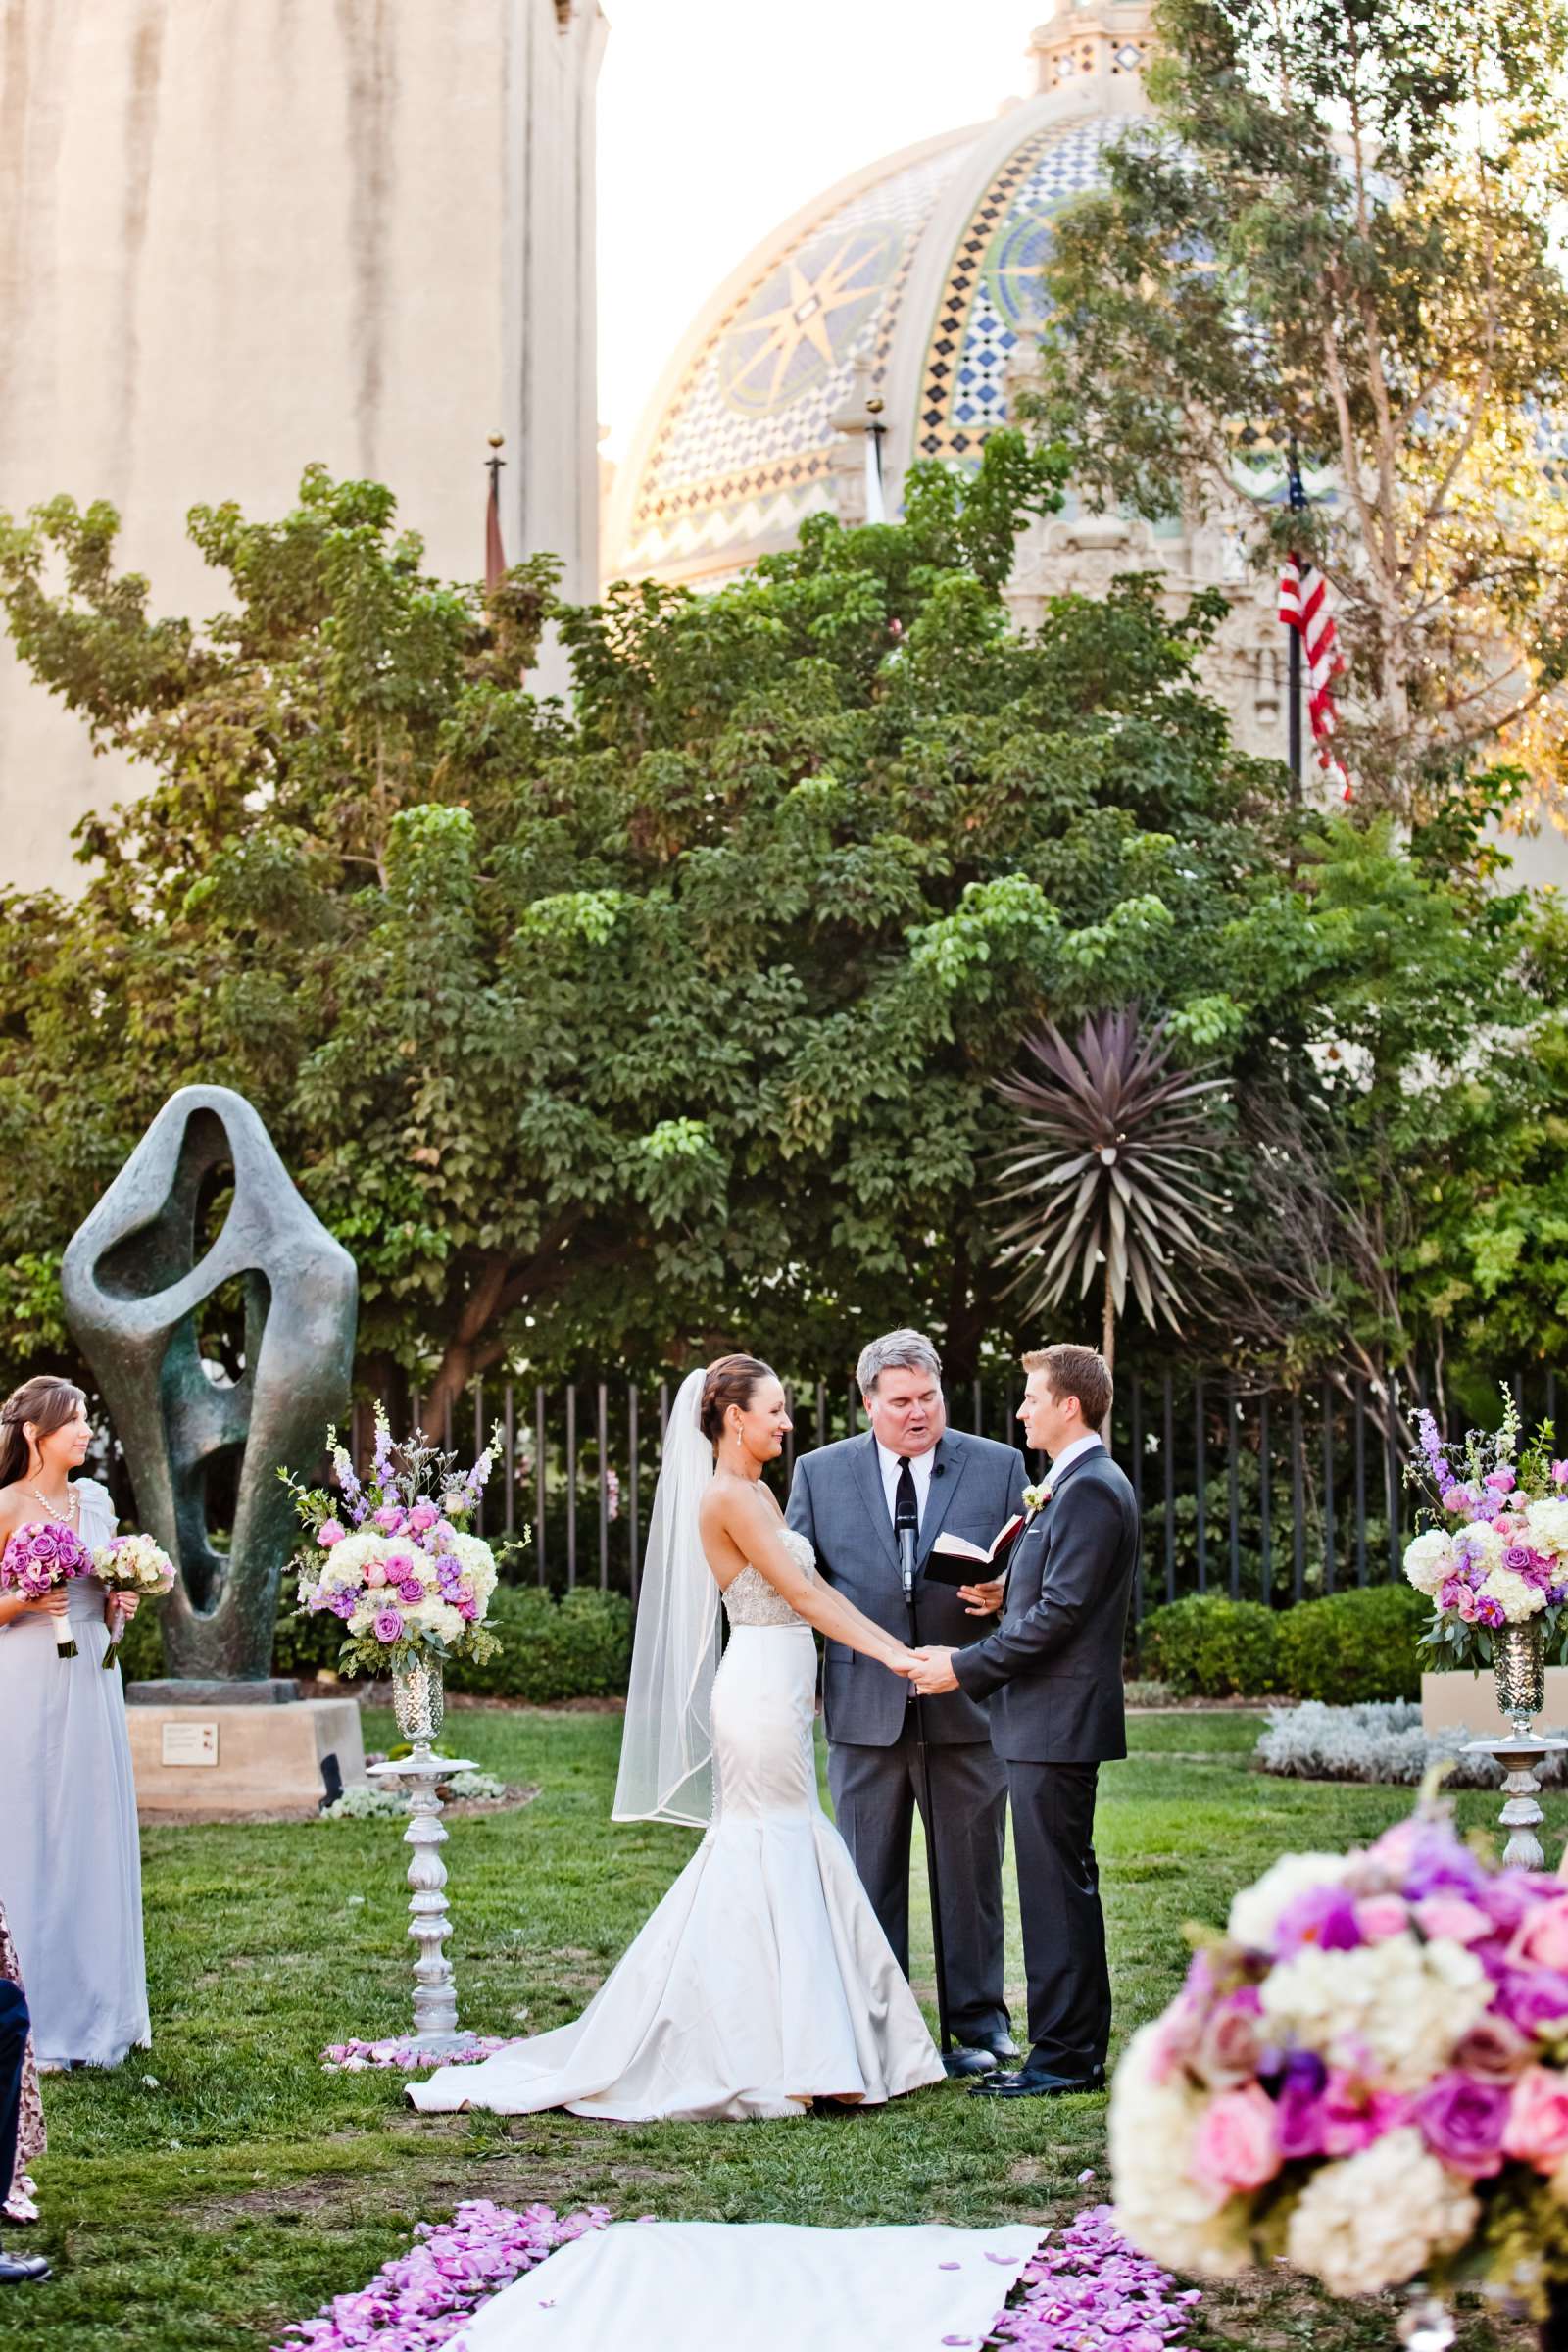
[(919, 1465)]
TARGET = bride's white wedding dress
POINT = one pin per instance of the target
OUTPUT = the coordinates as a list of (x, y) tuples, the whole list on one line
[(763, 1980)]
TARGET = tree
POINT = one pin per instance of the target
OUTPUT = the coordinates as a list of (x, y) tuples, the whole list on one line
[(665, 1022), (1114, 1166), (1337, 230)]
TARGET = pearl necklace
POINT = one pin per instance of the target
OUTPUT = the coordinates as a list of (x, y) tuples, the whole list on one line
[(66, 1518)]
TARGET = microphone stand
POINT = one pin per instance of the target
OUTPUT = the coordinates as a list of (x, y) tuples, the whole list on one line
[(905, 1536)]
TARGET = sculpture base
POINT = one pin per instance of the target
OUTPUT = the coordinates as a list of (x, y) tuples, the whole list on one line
[(191, 1691), (1459, 1700), (225, 1761)]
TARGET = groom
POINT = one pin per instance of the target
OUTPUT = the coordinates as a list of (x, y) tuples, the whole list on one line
[(849, 1499), (1051, 1673)]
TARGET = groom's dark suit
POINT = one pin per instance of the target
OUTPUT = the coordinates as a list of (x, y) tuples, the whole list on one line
[(1052, 1676), (837, 1500)]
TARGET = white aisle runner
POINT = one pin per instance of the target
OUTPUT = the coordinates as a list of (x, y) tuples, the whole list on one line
[(767, 2287)]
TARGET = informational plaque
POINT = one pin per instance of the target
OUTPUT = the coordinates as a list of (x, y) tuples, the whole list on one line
[(190, 1744)]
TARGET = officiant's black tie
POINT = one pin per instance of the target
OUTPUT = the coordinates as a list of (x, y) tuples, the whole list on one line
[(906, 1509)]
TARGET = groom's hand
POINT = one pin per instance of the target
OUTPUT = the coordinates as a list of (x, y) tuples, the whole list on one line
[(933, 1674)]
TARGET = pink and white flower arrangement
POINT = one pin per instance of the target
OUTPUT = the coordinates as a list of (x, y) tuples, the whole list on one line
[(131, 1564), (389, 1559), (40, 1559), (1366, 2076), (1494, 1550)]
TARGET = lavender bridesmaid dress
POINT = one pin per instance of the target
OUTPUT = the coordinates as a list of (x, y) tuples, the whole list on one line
[(69, 1862)]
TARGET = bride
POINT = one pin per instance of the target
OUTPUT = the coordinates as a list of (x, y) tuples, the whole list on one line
[(763, 1980)]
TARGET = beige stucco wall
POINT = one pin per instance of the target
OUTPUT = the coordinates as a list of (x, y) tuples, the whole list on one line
[(237, 235)]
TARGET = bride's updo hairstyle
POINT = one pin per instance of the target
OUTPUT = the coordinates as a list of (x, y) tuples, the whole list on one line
[(730, 1381), (48, 1405)]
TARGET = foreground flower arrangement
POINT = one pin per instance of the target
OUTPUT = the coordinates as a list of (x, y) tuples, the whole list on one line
[(400, 1572), (1087, 2294), (1495, 1551), (404, 2056), (1365, 2076)]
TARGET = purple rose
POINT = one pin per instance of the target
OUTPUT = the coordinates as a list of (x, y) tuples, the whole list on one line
[(329, 1534), (1463, 2120), (469, 1610), (1519, 1557), (1324, 1916), (1532, 1998), (411, 1592), (1298, 2104), (388, 1626), (44, 1545)]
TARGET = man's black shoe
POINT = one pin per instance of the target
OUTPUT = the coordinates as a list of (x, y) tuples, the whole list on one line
[(962, 2061), (1033, 2082), (21, 2270), (1004, 2045), (823, 2104)]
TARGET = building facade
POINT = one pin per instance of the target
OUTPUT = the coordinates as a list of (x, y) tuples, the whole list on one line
[(237, 239)]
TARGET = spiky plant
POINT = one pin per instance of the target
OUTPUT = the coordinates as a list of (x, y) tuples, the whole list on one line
[(1107, 1175)]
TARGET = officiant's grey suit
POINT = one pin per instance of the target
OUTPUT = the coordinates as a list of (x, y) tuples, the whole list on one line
[(1051, 1677), (839, 1502)]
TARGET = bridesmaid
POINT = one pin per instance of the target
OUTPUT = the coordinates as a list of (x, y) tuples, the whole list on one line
[(19, 2190), (69, 1862)]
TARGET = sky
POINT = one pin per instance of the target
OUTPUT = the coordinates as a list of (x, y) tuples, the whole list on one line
[(717, 119)]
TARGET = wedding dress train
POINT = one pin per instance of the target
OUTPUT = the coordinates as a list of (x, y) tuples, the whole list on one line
[(763, 1980)]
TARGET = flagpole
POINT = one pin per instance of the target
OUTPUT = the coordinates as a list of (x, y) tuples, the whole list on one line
[(1297, 499)]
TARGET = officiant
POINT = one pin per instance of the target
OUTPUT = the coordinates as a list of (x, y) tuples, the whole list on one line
[(850, 1500)]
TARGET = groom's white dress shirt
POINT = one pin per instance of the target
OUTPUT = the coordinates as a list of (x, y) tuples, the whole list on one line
[(1071, 1455), (920, 1467)]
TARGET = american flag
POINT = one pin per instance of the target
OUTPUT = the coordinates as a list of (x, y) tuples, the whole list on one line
[(1304, 606)]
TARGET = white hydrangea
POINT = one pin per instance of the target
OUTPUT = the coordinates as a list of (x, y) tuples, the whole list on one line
[(1483, 1543), (1160, 2207), (347, 1561), (478, 1564), (1519, 1599), (1376, 2218), (1548, 1525), (1430, 1559), (1393, 2010), (1255, 1911)]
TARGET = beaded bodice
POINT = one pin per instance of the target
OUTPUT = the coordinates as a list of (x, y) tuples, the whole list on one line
[(750, 1599)]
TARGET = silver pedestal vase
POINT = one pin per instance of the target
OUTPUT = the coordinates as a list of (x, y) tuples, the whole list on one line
[(420, 1703), (1519, 1664)]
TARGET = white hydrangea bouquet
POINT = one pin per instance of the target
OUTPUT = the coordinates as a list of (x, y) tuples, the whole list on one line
[(1364, 2077), (1494, 1550), (391, 1558)]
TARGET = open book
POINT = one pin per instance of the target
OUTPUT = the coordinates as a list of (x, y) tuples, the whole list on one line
[(954, 1560)]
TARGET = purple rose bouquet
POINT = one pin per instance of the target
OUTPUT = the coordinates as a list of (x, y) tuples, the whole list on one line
[(391, 1558), (1493, 1550), (1366, 2076), (40, 1558)]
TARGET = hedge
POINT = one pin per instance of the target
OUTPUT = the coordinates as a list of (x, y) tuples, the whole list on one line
[(578, 1647), (1349, 1647)]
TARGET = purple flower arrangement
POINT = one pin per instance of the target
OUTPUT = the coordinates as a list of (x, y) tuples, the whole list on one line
[(1089, 2292), (40, 1559), (391, 1559), (358, 2057), (1493, 1551), (1365, 2076)]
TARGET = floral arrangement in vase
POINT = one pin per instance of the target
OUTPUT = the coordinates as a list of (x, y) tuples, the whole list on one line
[(1367, 2077), (1492, 1553), (392, 1559)]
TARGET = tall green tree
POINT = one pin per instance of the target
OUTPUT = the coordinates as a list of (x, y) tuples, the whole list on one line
[(1337, 230), (670, 1019)]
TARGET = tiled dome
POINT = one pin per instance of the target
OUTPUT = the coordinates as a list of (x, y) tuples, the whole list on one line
[(913, 280)]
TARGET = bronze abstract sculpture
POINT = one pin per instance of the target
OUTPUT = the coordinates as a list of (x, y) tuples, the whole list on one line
[(135, 1276)]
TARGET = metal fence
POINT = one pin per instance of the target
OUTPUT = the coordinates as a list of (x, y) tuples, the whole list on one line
[(1275, 1497)]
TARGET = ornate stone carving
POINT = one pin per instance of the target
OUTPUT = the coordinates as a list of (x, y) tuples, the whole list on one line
[(133, 1284)]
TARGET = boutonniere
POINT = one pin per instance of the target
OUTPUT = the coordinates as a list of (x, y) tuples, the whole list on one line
[(1035, 1498)]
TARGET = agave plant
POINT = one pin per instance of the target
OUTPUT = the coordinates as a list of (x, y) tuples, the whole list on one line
[(1107, 1176)]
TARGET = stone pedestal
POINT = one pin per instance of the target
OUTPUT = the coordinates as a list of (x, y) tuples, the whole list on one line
[(1448, 1700), (229, 1759)]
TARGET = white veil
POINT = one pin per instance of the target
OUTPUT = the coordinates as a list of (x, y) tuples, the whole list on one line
[(667, 1750)]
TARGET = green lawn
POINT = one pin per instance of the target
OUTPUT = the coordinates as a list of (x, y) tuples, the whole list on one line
[(241, 2186)]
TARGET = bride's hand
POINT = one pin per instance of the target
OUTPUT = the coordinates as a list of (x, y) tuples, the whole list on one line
[(904, 1661)]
